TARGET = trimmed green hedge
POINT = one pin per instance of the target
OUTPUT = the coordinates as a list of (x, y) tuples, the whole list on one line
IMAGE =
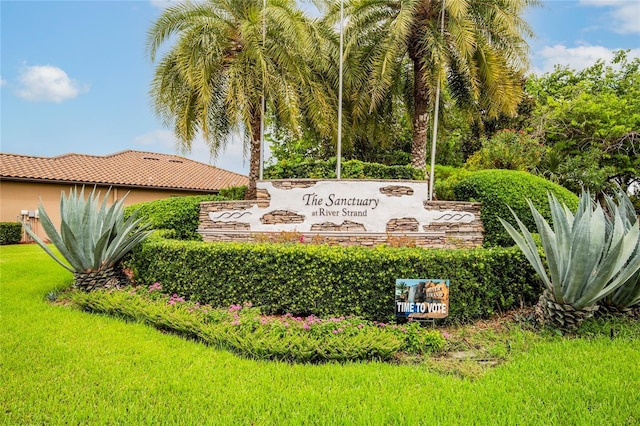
[(180, 215), (447, 179), (233, 193), (498, 190), (351, 169), (321, 280), (10, 233)]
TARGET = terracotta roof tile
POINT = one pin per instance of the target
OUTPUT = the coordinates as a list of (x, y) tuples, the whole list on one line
[(126, 168)]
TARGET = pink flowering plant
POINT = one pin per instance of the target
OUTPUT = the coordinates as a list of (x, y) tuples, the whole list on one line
[(243, 329)]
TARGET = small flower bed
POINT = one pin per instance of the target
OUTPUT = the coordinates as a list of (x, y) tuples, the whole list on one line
[(246, 331)]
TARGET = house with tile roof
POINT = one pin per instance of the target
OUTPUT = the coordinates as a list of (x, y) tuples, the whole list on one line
[(143, 176)]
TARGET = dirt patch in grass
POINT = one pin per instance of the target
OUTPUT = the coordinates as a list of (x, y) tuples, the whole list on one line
[(472, 349)]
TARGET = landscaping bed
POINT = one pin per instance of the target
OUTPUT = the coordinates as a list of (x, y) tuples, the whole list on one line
[(63, 366), (324, 281)]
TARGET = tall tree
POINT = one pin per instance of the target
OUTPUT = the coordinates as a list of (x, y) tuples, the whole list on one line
[(590, 121), (480, 55), (212, 78)]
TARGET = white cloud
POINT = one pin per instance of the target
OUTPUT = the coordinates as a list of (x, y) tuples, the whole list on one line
[(624, 14), (3, 82), (232, 158), (157, 138), (577, 58), (46, 83)]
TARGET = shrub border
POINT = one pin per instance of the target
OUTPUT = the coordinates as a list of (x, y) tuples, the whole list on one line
[(323, 280), (10, 233)]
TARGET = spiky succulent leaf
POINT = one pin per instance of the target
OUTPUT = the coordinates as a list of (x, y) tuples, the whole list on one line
[(623, 204), (101, 246), (589, 256), (44, 246), (55, 238), (628, 294), (528, 246), (555, 259), (579, 262), (128, 235), (92, 236), (623, 278), (613, 270), (555, 243), (78, 257)]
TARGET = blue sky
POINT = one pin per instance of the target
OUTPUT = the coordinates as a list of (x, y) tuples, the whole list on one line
[(74, 76)]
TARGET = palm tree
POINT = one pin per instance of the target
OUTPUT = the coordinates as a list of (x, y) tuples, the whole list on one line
[(212, 78), (480, 55)]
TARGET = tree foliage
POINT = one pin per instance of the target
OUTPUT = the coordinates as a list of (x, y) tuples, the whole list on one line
[(398, 49), (590, 120), (213, 77), (507, 149)]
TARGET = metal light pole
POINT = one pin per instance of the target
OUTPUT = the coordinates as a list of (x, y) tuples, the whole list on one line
[(262, 107), (435, 121), (339, 151)]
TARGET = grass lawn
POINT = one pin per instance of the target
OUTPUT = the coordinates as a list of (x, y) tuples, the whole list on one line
[(62, 366)]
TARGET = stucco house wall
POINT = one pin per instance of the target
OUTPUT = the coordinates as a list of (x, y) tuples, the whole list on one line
[(27, 180), (16, 197)]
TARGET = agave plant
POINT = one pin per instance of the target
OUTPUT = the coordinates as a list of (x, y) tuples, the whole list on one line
[(588, 255), (93, 238), (628, 294)]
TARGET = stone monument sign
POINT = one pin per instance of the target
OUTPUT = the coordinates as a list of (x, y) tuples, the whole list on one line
[(347, 212)]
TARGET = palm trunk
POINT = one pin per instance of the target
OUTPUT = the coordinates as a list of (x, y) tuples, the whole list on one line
[(254, 159), (420, 118)]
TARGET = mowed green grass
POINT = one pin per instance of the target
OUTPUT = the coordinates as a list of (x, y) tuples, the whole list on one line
[(62, 366)]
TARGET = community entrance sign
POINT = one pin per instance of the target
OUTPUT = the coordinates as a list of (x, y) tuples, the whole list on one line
[(371, 204), (345, 212)]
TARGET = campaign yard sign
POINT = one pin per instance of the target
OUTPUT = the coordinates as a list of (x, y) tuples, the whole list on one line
[(422, 298)]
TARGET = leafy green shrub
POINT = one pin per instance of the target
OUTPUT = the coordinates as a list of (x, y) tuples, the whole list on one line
[(507, 149), (498, 190), (316, 169), (233, 192), (445, 172), (447, 179), (324, 280), (351, 169), (246, 331), (180, 214), (10, 233)]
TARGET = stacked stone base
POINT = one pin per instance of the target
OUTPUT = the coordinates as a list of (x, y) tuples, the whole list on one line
[(365, 239)]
